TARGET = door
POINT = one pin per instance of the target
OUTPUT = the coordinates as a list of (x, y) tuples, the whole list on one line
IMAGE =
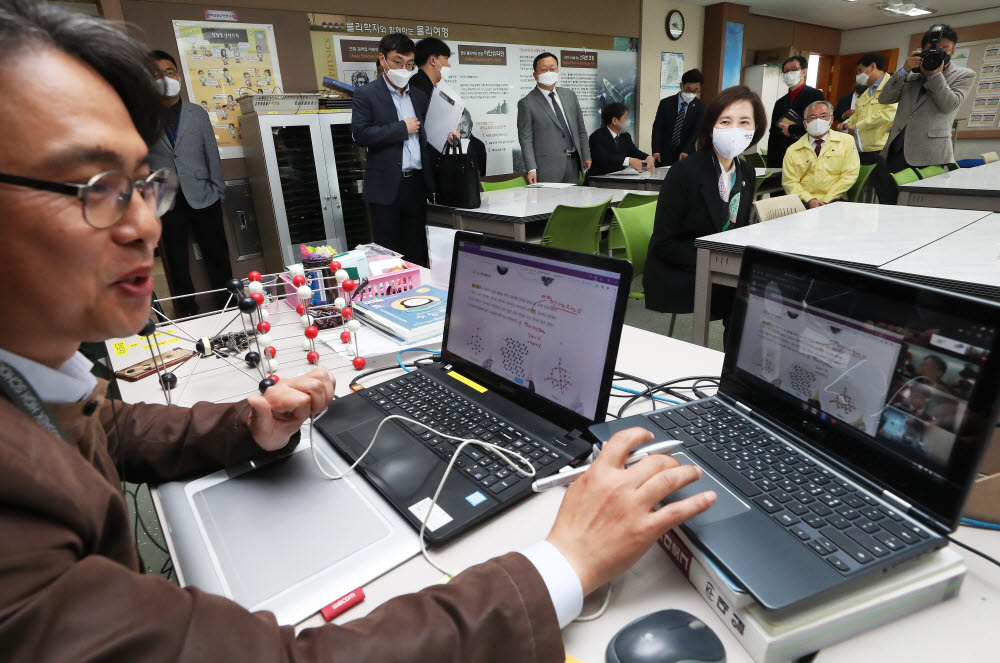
[(300, 187), (824, 77), (345, 162)]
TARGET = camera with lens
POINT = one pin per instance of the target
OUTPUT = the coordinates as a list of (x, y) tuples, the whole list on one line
[(933, 56)]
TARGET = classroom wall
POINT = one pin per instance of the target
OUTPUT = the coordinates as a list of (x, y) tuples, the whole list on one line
[(653, 41), (897, 35)]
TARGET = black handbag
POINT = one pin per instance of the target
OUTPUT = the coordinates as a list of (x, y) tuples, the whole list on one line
[(456, 178)]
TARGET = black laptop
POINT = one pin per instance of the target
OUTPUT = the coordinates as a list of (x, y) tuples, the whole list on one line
[(851, 416), (530, 343)]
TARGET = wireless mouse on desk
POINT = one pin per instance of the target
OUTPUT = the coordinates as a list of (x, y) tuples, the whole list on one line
[(667, 636)]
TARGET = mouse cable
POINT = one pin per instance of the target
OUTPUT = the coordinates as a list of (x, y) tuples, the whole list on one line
[(981, 524), (600, 611), (504, 454), (399, 356), (355, 381), (974, 551)]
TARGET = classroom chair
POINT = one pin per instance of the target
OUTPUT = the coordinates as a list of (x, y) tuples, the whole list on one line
[(497, 184), (575, 228), (615, 240), (756, 160), (760, 180), (905, 176), (635, 226), (854, 193), (768, 209), (930, 171), (990, 157)]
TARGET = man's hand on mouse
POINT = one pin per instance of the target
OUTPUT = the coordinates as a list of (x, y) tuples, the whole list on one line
[(607, 520)]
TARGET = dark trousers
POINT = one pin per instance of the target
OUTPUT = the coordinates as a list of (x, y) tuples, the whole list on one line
[(885, 185), (206, 225), (401, 226)]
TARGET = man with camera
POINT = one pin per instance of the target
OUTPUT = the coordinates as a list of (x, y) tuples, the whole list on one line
[(929, 89)]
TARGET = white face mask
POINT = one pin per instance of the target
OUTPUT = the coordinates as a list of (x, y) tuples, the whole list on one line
[(862, 78), (791, 78), (548, 78), (732, 141), (818, 127), (445, 73), (168, 87), (399, 77), (688, 97)]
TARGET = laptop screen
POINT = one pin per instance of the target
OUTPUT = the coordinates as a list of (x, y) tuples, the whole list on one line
[(883, 377), (545, 325)]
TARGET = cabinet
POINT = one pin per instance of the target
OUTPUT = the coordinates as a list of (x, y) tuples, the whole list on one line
[(765, 80), (305, 175)]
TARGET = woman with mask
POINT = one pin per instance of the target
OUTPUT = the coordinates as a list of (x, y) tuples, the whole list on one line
[(786, 118), (708, 192)]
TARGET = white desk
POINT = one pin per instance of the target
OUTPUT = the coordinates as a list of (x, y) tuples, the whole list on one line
[(966, 188), (958, 630), (507, 212), (966, 261), (858, 235)]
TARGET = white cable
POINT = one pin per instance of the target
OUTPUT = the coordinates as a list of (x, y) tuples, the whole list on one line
[(464, 442), (600, 611)]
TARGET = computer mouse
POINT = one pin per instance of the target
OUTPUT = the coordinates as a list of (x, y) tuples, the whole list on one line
[(667, 636)]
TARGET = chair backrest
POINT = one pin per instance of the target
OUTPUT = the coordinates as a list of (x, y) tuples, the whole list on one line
[(496, 185), (636, 227), (756, 160), (854, 193), (575, 228), (905, 176), (930, 171), (638, 200), (990, 157), (769, 209), (760, 180)]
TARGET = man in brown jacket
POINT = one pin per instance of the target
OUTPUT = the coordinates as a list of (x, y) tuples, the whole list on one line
[(77, 232)]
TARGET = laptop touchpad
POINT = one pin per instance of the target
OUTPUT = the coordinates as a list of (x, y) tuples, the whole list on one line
[(400, 461), (726, 505)]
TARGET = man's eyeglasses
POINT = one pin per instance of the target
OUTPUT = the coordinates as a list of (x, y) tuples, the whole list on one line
[(107, 195)]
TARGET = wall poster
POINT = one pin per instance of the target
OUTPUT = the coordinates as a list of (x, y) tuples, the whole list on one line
[(222, 62), (671, 71)]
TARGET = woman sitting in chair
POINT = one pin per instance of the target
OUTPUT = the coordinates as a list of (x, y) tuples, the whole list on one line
[(710, 191)]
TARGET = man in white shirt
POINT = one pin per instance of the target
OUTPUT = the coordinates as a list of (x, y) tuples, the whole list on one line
[(550, 128)]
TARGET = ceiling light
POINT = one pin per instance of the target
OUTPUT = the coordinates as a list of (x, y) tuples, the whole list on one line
[(905, 9)]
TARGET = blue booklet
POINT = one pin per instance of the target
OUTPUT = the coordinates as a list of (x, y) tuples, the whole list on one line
[(411, 316)]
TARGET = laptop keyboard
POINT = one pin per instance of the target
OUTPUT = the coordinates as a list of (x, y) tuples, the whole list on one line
[(833, 518), (416, 396)]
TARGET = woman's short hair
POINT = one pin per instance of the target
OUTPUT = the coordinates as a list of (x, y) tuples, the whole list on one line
[(724, 100)]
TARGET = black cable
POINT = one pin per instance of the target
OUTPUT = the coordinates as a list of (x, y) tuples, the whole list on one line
[(395, 367), (139, 522), (663, 387), (975, 551)]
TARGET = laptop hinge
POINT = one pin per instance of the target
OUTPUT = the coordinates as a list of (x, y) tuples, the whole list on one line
[(902, 504)]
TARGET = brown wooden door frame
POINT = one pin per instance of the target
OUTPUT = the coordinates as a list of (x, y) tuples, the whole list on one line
[(845, 70)]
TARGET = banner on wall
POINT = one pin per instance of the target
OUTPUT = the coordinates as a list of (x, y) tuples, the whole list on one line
[(221, 63), (490, 77)]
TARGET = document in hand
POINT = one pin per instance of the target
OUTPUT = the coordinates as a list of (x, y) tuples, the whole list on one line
[(443, 115)]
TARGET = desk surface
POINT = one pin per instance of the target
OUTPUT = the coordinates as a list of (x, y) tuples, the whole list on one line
[(524, 204), (858, 234), (967, 260), (660, 173), (960, 629), (979, 181)]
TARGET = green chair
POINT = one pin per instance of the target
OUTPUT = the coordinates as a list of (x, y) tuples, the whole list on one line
[(505, 184), (615, 240), (635, 224), (905, 176), (756, 160), (854, 193), (575, 228), (930, 171), (760, 180)]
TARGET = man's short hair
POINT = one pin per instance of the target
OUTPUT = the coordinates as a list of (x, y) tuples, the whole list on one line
[(816, 103), (542, 56), (693, 76), (396, 41), (430, 46), (873, 58), (163, 55), (611, 111), (28, 27), (945, 30), (803, 62)]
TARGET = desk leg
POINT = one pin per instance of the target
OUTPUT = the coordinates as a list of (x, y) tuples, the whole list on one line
[(520, 232), (903, 199), (702, 297)]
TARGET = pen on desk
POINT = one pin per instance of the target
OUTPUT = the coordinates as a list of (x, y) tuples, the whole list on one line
[(342, 604), (564, 478)]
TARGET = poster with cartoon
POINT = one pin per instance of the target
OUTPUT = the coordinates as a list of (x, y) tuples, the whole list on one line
[(222, 62)]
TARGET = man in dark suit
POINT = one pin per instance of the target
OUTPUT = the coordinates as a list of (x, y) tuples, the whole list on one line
[(188, 147), (678, 120), (611, 147), (431, 55), (471, 145), (388, 119), (788, 114)]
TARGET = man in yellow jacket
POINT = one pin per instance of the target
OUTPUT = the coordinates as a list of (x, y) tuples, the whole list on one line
[(871, 120), (822, 165)]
